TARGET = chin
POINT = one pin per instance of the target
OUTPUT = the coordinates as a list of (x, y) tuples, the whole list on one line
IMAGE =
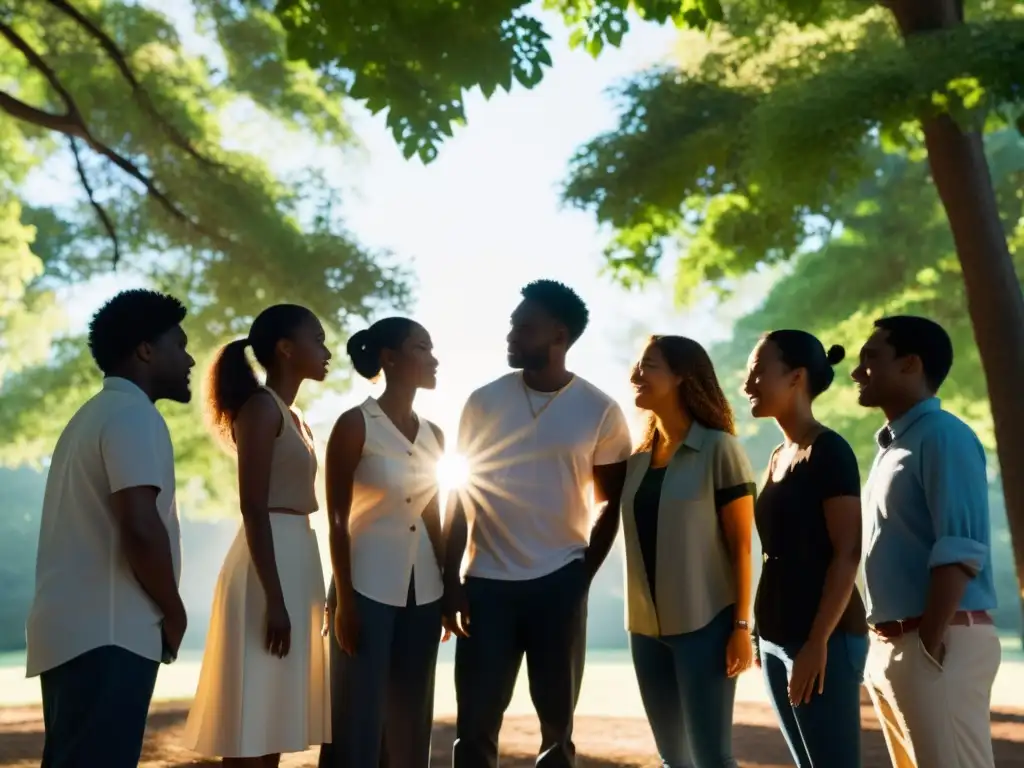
[(642, 400), (183, 395), (320, 375), (429, 383), (865, 399), (758, 410), (515, 361)]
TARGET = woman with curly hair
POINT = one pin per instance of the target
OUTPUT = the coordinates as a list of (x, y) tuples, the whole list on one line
[(687, 515)]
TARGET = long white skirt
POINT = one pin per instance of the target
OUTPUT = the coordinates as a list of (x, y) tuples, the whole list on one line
[(250, 703)]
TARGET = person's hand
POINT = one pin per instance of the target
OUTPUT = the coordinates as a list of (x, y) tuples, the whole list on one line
[(455, 610), (279, 629), (173, 630), (346, 624), (739, 654), (808, 672), (933, 644), (325, 626)]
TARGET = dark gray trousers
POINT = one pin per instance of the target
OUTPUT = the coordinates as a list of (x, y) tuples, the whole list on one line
[(382, 698), (544, 620)]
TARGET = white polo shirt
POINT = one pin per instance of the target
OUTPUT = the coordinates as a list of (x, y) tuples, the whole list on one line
[(529, 501), (86, 594), (394, 482)]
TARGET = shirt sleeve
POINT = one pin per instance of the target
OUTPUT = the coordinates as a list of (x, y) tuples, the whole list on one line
[(467, 426), (834, 467), (955, 486), (733, 475), (614, 443), (130, 445)]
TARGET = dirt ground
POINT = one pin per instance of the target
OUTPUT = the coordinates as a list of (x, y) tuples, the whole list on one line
[(601, 742)]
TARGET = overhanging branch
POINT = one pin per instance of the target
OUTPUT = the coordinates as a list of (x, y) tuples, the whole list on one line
[(138, 92), (73, 125), (108, 225)]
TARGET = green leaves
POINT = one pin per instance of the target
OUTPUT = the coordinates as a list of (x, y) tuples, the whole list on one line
[(263, 239), (417, 59)]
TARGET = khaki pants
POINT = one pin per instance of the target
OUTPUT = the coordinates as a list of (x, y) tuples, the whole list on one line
[(932, 715)]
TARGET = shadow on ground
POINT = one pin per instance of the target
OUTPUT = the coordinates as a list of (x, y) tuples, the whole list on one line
[(602, 742)]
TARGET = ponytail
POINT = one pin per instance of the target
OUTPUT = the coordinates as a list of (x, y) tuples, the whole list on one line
[(229, 385)]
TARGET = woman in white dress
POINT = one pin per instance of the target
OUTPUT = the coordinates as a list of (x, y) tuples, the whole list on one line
[(264, 685), (385, 601)]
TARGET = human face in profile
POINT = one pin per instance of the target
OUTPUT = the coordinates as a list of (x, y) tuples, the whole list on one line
[(654, 383), (414, 360), (171, 366), (532, 336)]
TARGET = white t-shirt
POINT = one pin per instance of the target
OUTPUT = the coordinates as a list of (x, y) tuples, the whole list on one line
[(529, 500), (86, 594)]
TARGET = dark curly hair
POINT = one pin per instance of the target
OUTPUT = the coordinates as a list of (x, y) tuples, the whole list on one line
[(561, 302), (700, 394), (129, 319)]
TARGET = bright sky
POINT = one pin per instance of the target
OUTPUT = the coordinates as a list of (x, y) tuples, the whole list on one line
[(479, 222)]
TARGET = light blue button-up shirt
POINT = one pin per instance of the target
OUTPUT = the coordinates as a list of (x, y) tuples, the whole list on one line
[(926, 501)]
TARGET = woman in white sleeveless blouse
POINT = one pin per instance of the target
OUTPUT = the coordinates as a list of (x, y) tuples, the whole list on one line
[(264, 684), (385, 601)]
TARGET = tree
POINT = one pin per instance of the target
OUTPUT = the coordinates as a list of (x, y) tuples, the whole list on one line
[(109, 88), (914, 71)]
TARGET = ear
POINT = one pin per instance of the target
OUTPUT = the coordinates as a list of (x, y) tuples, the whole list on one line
[(145, 352), (561, 335), (799, 377), (285, 348), (911, 365), (387, 358)]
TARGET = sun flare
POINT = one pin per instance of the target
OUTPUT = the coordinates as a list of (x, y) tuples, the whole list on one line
[(452, 472)]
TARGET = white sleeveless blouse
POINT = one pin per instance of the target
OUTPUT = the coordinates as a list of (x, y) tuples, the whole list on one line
[(394, 481)]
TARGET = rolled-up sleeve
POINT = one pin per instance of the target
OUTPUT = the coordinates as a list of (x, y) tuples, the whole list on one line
[(956, 490), (733, 475)]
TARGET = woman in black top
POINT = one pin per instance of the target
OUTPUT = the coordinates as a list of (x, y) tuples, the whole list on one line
[(810, 622)]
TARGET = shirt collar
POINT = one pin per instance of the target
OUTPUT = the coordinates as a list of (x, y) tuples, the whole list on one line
[(118, 384), (695, 437), (373, 408), (896, 429)]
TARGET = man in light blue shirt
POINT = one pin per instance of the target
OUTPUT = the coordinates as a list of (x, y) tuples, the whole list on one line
[(928, 567)]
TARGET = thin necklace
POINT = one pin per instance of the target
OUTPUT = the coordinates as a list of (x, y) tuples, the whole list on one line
[(526, 393)]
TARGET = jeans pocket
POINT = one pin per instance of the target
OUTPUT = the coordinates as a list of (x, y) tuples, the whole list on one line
[(928, 658)]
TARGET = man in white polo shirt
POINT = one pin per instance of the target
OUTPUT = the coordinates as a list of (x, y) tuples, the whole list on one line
[(543, 446), (106, 608)]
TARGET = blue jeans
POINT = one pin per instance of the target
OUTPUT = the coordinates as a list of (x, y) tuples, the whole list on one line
[(95, 708), (826, 732), (687, 695)]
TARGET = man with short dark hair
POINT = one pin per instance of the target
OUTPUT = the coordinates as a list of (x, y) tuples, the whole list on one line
[(536, 440), (928, 568), (107, 610)]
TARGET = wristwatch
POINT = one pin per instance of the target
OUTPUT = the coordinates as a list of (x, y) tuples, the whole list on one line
[(742, 624)]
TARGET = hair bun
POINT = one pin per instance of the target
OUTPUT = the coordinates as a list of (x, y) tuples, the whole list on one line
[(835, 354), (365, 354)]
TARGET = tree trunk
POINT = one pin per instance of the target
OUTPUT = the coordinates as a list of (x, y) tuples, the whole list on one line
[(994, 298)]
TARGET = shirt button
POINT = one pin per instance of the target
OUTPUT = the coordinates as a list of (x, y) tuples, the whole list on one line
[(408, 500), (412, 527), (409, 452)]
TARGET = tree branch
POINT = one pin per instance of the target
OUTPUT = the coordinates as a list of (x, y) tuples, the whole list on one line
[(73, 125), (100, 212), (141, 96)]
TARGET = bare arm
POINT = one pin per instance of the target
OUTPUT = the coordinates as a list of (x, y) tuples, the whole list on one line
[(608, 482), (456, 533), (147, 547), (256, 428), (432, 514), (737, 523), (344, 451), (843, 521)]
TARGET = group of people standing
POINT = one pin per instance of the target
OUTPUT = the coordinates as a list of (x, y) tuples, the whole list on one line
[(553, 472)]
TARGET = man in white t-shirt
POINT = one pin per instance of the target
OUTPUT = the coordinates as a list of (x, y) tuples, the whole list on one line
[(107, 610), (544, 448)]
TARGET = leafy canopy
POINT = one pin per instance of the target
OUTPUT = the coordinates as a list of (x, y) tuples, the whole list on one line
[(153, 122)]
